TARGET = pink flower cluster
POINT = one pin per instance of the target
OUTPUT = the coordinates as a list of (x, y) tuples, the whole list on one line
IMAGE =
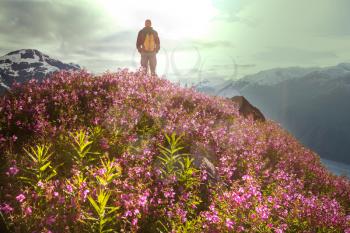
[(262, 178)]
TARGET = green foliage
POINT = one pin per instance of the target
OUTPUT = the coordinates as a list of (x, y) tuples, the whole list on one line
[(82, 143), (104, 214), (285, 188), (269, 189), (171, 157), (95, 133), (110, 171), (190, 226), (104, 217), (41, 169), (174, 162), (297, 225), (186, 174), (146, 125)]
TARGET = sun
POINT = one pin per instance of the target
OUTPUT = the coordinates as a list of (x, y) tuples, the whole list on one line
[(174, 19)]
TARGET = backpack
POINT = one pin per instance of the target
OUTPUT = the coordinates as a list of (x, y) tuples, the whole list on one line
[(149, 43)]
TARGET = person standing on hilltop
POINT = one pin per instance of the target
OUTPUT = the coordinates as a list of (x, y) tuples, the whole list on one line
[(148, 45)]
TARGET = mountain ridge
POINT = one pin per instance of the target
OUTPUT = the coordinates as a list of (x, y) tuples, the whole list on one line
[(313, 106), (24, 64)]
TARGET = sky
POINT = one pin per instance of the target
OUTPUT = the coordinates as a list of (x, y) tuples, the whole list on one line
[(200, 39)]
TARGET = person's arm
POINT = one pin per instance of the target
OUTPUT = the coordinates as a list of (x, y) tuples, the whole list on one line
[(139, 42), (157, 40)]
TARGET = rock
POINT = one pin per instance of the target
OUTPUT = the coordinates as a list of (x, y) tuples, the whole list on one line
[(246, 109)]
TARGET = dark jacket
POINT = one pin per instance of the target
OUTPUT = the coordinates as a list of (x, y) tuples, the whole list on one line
[(141, 38)]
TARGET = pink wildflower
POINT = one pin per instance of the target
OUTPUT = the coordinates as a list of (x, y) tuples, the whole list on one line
[(20, 198)]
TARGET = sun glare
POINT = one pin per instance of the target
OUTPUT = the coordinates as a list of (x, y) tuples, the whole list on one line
[(174, 19)]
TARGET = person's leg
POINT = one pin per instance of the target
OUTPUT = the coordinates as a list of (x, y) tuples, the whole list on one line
[(144, 61), (153, 63), (148, 62)]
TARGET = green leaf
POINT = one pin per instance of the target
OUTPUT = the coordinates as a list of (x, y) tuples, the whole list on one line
[(112, 209), (168, 138), (59, 165), (165, 149), (94, 204), (101, 180), (28, 180), (83, 146), (105, 199), (46, 157), (54, 173), (43, 168), (29, 170), (30, 155), (177, 149)]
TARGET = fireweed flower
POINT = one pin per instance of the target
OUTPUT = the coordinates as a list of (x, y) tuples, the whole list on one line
[(69, 188), (50, 220), (182, 213), (143, 200), (28, 210), (6, 208), (101, 171), (12, 170), (279, 176), (229, 223), (14, 138), (40, 184), (20, 198), (134, 222), (85, 193), (104, 144), (169, 194), (127, 213)]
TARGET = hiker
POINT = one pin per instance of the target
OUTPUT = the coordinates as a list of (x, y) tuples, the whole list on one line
[(148, 45)]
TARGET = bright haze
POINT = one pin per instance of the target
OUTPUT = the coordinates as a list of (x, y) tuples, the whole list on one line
[(223, 39)]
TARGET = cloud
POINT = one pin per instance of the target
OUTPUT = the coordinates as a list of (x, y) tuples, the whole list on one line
[(246, 65), (213, 44), (48, 20), (120, 36), (78, 31), (232, 7), (260, 34), (103, 64), (230, 12), (294, 55), (234, 18), (335, 19)]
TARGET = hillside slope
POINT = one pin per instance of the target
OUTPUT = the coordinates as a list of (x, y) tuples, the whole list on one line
[(128, 152), (311, 103)]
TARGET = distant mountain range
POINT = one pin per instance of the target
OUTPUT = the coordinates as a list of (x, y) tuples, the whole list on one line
[(312, 103), (25, 64)]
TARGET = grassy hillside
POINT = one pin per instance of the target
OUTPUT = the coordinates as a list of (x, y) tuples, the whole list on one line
[(127, 152)]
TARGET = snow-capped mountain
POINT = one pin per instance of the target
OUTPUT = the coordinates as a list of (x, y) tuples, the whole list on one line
[(22, 65), (276, 76), (209, 86), (311, 103)]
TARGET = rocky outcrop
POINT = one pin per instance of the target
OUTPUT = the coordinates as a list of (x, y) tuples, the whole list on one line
[(247, 109)]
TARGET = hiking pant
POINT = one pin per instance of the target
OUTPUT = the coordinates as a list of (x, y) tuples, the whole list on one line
[(149, 58)]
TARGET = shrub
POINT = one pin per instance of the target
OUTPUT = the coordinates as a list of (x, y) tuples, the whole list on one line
[(121, 152)]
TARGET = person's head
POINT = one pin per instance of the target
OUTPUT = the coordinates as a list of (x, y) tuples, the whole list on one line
[(148, 23)]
